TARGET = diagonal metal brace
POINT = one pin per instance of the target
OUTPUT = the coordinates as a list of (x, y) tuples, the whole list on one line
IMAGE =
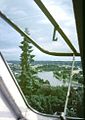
[(55, 24), (19, 30)]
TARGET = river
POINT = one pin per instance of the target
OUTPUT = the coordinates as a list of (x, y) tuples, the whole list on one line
[(50, 77)]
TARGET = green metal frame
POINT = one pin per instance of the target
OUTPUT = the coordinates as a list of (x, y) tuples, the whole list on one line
[(32, 41), (55, 24)]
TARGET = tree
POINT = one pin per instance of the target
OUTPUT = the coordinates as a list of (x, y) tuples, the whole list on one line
[(39, 93), (26, 78)]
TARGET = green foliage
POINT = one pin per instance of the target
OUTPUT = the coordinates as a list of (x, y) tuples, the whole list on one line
[(39, 93), (48, 67), (75, 104), (27, 76), (48, 99), (62, 74), (78, 77)]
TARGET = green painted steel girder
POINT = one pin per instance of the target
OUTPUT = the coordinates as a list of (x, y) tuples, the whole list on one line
[(55, 24), (32, 41)]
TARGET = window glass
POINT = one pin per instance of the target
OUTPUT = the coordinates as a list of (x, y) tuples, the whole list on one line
[(43, 78)]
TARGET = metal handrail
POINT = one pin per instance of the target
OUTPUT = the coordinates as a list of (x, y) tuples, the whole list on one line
[(33, 110), (21, 93), (55, 24), (19, 30)]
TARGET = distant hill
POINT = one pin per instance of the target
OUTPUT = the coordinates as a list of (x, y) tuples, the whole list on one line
[(14, 62), (77, 63)]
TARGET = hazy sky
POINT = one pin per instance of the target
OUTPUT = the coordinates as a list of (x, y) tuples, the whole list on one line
[(26, 14)]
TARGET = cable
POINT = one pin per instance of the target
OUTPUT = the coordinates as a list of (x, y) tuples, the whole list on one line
[(69, 86)]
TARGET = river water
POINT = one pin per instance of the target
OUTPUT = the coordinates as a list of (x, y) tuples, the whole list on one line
[(50, 77)]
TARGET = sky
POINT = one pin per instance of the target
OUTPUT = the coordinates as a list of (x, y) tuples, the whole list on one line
[(26, 14)]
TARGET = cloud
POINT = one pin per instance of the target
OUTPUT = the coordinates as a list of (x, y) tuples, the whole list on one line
[(10, 50), (28, 14), (53, 46), (8, 36), (62, 11), (44, 21), (11, 53)]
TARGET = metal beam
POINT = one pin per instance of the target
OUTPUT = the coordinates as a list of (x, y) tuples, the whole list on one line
[(9, 100), (55, 24), (22, 95), (32, 41)]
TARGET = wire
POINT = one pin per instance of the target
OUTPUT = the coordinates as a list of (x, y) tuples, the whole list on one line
[(69, 86)]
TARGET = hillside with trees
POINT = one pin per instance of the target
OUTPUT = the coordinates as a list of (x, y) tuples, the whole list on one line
[(39, 93)]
